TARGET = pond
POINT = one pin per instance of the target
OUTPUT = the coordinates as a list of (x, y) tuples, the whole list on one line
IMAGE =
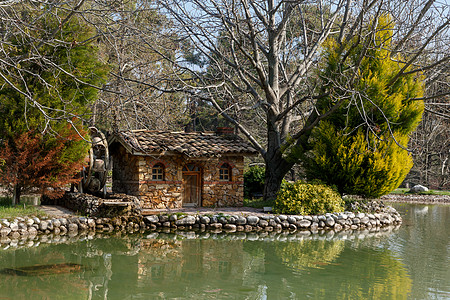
[(411, 262)]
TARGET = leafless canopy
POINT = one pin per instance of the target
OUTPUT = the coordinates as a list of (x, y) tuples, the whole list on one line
[(262, 55), (262, 58), (254, 61)]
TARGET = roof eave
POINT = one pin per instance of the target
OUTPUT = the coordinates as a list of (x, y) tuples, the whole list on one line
[(117, 139)]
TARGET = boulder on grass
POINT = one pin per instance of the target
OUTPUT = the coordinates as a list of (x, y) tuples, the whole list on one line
[(418, 189)]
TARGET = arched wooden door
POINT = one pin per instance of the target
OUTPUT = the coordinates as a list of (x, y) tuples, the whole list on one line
[(192, 184)]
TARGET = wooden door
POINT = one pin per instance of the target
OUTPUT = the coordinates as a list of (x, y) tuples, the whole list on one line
[(192, 185)]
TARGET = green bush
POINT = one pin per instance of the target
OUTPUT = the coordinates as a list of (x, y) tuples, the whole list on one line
[(5, 201), (301, 198), (254, 181)]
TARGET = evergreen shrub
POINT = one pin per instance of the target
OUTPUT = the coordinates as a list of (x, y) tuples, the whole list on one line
[(356, 166), (302, 198), (361, 146)]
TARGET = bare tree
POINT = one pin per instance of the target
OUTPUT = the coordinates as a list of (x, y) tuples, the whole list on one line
[(124, 31), (431, 153), (127, 32), (255, 62), (430, 144), (263, 57)]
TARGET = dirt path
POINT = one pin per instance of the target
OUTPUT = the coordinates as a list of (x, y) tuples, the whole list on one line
[(56, 211)]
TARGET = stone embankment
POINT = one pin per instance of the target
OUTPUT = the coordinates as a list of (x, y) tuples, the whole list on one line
[(29, 227), (376, 217), (356, 236), (379, 216), (417, 198)]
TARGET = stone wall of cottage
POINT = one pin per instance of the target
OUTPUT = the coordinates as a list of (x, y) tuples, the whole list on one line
[(125, 172), (160, 194), (132, 175), (223, 193), (169, 192)]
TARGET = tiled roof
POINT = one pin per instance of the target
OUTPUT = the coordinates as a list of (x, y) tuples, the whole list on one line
[(193, 144)]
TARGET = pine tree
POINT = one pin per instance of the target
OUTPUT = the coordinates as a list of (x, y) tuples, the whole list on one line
[(360, 148), (59, 76), (41, 137)]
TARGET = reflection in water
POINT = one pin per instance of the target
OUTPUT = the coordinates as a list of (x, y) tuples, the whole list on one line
[(423, 245), (361, 265), (168, 266), (309, 254)]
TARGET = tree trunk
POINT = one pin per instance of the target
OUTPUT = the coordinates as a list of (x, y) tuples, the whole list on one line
[(17, 190), (276, 165), (276, 168), (272, 183)]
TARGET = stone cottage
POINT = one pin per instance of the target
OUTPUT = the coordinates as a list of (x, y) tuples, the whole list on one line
[(179, 169)]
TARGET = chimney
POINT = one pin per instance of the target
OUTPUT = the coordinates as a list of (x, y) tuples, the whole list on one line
[(225, 131)]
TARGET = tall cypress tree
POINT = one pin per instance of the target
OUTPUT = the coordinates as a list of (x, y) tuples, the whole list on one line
[(361, 147)]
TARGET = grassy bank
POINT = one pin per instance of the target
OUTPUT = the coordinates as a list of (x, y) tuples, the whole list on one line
[(257, 203), (7, 211), (405, 191)]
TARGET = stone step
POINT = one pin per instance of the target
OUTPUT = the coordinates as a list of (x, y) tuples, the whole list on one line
[(115, 203)]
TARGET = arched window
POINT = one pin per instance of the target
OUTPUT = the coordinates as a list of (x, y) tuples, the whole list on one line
[(225, 172), (158, 172)]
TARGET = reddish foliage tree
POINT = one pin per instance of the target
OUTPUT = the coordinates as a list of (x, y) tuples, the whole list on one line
[(33, 162)]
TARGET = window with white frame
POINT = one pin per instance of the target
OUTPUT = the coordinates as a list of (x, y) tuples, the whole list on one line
[(225, 172), (158, 172)]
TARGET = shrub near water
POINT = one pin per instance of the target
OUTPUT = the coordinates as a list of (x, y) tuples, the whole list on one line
[(303, 198)]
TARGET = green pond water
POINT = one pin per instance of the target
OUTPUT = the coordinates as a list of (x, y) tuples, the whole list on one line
[(410, 262)]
